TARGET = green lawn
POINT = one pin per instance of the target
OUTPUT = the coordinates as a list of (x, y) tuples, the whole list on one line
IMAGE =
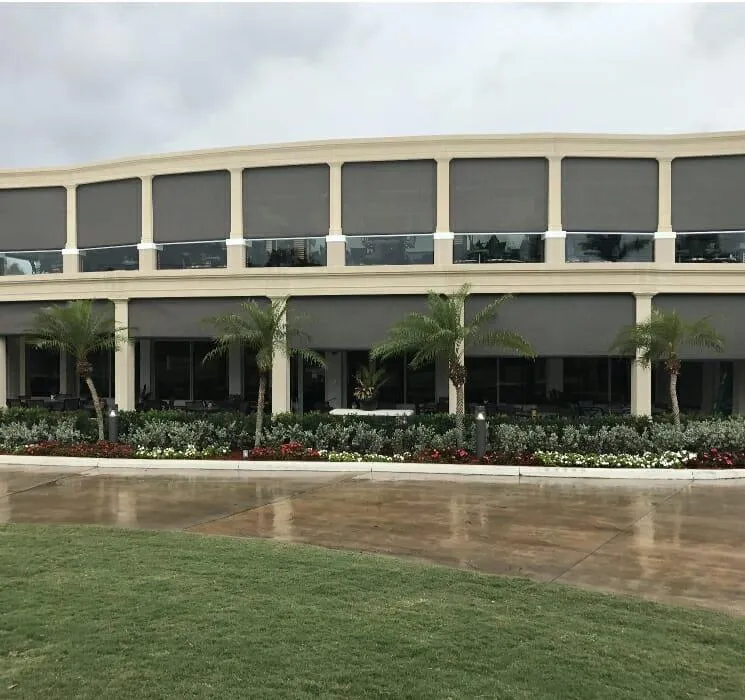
[(108, 614)]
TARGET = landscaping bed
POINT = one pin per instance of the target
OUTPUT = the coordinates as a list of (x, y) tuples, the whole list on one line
[(612, 442)]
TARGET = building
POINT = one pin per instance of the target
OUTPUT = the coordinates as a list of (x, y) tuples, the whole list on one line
[(588, 231)]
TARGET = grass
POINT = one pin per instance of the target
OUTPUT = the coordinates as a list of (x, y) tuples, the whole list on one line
[(98, 613)]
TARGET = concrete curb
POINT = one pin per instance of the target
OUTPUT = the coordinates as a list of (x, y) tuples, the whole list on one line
[(87, 463)]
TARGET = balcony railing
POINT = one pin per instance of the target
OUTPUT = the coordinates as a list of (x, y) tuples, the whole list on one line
[(498, 248), (390, 249), (109, 258), (609, 247), (193, 256), (710, 247), (32, 262), (286, 252)]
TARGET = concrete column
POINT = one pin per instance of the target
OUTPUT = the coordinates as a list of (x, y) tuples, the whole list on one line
[(235, 378), (124, 361), (664, 248), (554, 247), (738, 388), (3, 372), (146, 365), (336, 243), (664, 238), (444, 248), (452, 393), (554, 374), (64, 374), (335, 389), (443, 195), (71, 254), (664, 206), (281, 380), (147, 248), (442, 383), (22, 384), (236, 244), (555, 238), (641, 377), (554, 194)]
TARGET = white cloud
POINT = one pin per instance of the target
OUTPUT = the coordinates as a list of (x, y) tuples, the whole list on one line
[(124, 80)]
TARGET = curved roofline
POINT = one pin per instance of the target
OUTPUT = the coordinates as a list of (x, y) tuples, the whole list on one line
[(378, 148)]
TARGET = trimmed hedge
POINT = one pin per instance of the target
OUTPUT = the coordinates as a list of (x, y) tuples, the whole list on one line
[(380, 435)]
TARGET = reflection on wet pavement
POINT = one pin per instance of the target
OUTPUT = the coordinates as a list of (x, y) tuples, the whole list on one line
[(677, 541)]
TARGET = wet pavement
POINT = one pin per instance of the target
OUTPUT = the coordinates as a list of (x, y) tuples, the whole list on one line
[(679, 542)]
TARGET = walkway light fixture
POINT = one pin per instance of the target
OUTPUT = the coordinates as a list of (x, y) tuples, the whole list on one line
[(114, 424), (481, 425)]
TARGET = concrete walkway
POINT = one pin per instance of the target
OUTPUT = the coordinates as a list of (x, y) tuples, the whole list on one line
[(680, 542)]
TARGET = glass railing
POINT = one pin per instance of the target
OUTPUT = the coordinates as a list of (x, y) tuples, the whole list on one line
[(192, 256), (109, 259), (710, 247), (414, 249), (33, 262), (609, 247), (498, 248), (286, 252)]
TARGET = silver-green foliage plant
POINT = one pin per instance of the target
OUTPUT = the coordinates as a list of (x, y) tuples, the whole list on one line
[(14, 436), (200, 434), (353, 437)]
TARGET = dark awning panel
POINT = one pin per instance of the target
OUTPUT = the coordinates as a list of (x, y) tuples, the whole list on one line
[(179, 318), (34, 218), (389, 197), (560, 325), (727, 312), (286, 201), (609, 194), (497, 195), (191, 207), (707, 193), (17, 317), (109, 213), (350, 323)]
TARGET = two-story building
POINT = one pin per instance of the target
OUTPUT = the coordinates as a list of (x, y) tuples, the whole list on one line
[(589, 232)]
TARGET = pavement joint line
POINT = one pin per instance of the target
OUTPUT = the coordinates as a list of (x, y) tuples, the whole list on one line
[(50, 482), (621, 531), (291, 497)]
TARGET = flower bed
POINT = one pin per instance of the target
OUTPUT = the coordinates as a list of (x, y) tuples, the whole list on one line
[(296, 452)]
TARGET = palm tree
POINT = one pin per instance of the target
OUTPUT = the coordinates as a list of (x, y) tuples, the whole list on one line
[(262, 329), (440, 333), (661, 338), (79, 330)]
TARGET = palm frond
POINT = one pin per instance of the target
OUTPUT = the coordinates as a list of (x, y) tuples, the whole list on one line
[(263, 329), (77, 328), (664, 335)]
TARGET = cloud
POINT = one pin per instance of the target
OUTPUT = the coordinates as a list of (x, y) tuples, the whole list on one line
[(91, 82)]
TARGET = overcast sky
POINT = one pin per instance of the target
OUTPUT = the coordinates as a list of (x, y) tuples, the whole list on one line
[(81, 83)]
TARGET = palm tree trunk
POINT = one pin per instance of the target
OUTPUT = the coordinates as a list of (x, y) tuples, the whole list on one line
[(260, 409), (674, 398), (96, 405), (460, 413), (457, 374)]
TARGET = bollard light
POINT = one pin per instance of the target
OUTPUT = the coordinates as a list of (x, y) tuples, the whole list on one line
[(480, 418), (114, 424)]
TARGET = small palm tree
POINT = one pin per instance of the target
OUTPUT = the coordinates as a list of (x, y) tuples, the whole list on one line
[(262, 329), (661, 338), (79, 330), (369, 379), (440, 333)]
